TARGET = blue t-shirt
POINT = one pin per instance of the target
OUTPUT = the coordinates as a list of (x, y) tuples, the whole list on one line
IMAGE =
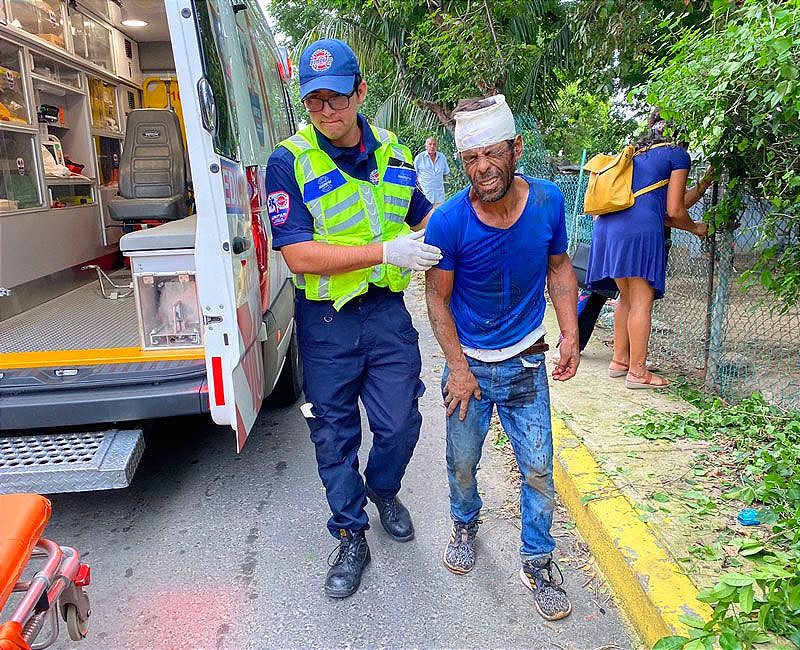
[(500, 273), (290, 220)]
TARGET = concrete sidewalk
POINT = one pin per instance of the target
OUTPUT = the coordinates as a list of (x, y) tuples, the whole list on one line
[(632, 497)]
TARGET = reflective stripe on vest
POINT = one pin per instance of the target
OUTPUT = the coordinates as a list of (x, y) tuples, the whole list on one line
[(347, 211)]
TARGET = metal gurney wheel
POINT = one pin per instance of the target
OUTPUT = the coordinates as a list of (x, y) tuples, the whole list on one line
[(76, 628)]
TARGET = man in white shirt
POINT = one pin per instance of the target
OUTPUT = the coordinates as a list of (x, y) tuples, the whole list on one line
[(432, 169)]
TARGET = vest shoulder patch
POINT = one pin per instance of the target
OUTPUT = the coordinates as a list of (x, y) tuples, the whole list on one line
[(400, 176), (322, 185)]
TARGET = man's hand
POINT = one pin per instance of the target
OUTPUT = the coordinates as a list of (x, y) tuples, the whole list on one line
[(569, 358), (460, 386), (410, 252)]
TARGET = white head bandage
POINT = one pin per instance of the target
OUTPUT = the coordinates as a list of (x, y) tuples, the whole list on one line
[(486, 126)]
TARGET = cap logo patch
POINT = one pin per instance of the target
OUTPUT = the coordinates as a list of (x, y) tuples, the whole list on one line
[(321, 60)]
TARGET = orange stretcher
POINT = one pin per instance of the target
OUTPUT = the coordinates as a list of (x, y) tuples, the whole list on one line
[(57, 587)]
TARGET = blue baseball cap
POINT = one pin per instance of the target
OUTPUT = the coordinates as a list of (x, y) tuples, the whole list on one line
[(328, 64)]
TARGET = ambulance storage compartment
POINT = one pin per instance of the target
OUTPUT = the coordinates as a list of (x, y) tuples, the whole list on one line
[(163, 270)]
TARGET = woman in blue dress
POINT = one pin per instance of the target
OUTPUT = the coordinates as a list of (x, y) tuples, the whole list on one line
[(628, 253)]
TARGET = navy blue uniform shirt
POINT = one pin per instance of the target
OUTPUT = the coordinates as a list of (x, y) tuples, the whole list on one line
[(289, 217)]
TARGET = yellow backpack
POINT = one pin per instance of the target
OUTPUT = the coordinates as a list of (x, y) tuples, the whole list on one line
[(610, 181)]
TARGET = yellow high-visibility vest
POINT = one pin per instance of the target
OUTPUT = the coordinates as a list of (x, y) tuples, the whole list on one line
[(351, 212)]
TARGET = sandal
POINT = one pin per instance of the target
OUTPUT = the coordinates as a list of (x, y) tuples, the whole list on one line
[(651, 380), (623, 368), (620, 371)]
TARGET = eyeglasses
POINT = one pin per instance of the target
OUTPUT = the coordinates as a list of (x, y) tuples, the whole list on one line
[(337, 102), (496, 154)]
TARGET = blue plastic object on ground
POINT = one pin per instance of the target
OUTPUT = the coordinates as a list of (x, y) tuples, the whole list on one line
[(748, 517)]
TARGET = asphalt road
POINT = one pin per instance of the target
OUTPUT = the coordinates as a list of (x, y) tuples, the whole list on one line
[(209, 549)]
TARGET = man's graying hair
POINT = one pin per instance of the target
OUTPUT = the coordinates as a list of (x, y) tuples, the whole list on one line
[(471, 104)]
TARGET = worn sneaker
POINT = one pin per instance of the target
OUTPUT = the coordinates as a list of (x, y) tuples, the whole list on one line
[(459, 556), (549, 597), (352, 556)]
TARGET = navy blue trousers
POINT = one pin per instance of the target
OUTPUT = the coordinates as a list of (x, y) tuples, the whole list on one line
[(369, 351)]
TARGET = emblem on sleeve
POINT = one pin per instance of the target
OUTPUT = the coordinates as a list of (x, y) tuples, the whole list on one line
[(278, 207)]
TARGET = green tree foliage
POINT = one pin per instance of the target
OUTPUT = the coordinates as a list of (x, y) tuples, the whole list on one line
[(425, 55), (733, 86), (583, 120), (611, 44)]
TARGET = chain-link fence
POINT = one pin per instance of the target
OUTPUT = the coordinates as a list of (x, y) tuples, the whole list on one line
[(709, 324)]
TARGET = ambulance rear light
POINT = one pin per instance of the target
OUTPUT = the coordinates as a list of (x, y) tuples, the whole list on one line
[(284, 64), (169, 311), (218, 383)]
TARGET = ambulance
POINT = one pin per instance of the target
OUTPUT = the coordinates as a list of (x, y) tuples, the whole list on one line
[(140, 283)]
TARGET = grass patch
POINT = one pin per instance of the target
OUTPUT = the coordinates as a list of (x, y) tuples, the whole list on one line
[(755, 457)]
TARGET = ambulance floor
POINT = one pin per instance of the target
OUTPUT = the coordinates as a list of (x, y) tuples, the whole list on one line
[(79, 320)]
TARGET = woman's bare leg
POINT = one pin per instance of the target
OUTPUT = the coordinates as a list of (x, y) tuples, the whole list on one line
[(640, 315), (622, 351)]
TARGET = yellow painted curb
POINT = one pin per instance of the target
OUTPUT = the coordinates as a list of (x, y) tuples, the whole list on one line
[(648, 584)]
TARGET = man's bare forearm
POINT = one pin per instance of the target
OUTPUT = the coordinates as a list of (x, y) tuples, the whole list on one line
[(321, 258), (563, 289), (442, 324)]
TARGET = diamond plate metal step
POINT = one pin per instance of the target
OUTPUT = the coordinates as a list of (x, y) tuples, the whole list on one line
[(69, 462)]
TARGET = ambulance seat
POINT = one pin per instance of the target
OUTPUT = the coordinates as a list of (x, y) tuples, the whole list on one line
[(152, 170)]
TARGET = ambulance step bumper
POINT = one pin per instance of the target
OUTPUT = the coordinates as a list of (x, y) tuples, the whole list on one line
[(69, 462)]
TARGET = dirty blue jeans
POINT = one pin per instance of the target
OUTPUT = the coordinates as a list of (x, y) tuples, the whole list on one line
[(518, 387)]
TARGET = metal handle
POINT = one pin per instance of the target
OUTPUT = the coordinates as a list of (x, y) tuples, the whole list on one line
[(208, 108), (239, 245)]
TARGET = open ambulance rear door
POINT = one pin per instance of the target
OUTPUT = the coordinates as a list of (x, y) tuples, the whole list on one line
[(224, 124)]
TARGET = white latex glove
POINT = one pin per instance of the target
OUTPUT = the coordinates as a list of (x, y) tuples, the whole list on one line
[(410, 252)]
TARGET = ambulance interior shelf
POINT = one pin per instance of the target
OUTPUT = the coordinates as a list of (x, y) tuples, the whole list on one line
[(48, 70), (66, 145), (91, 40), (19, 184), (42, 18), (13, 107), (67, 193), (66, 186), (108, 150), (103, 105)]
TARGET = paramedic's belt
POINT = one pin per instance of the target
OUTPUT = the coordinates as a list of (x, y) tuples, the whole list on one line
[(540, 347)]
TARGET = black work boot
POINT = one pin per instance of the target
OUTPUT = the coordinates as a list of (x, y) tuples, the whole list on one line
[(352, 557), (395, 518)]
